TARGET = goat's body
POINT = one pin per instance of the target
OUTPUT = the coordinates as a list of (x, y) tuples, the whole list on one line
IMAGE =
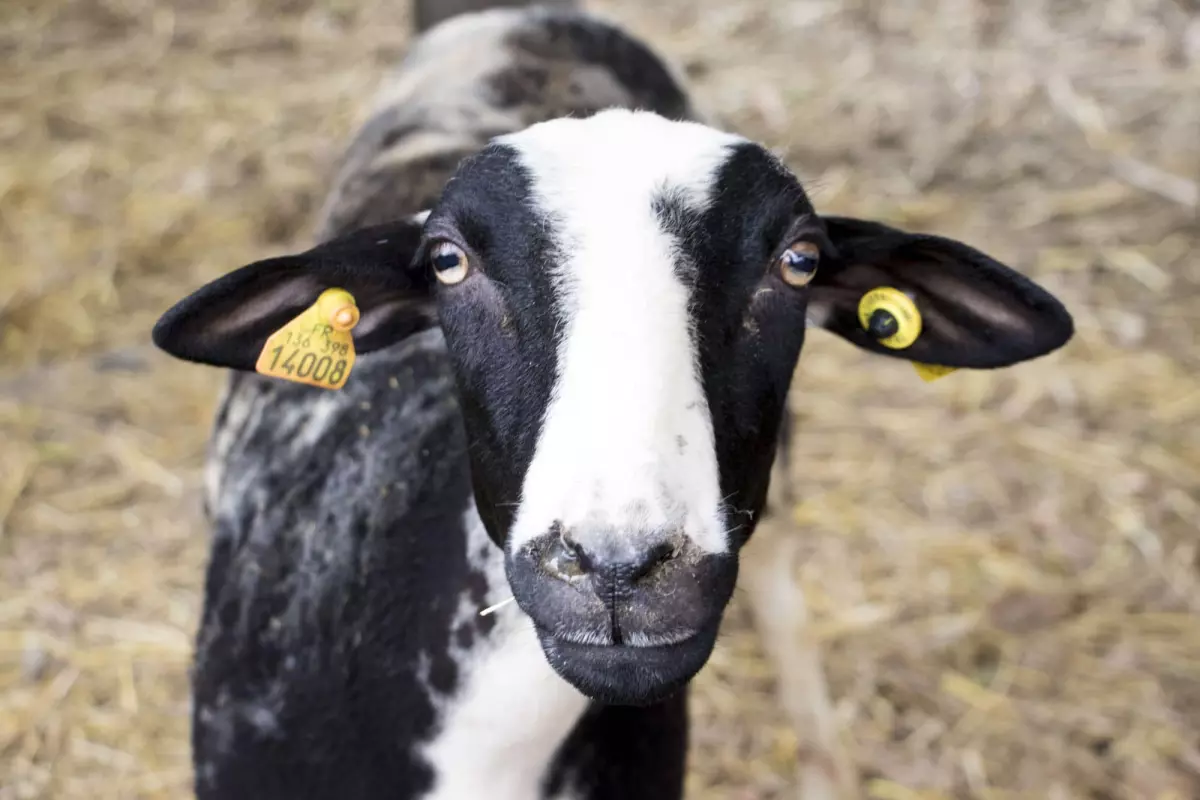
[(341, 652)]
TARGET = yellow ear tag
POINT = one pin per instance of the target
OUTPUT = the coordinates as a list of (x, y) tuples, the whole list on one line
[(931, 372), (892, 318), (316, 347)]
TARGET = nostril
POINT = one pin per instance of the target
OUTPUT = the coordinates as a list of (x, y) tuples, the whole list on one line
[(564, 559), (561, 556), (573, 552), (571, 548), (653, 559)]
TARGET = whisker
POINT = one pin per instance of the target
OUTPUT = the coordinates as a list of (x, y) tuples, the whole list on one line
[(493, 608)]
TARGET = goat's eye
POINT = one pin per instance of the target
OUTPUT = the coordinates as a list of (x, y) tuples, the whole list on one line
[(798, 264), (450, 263)]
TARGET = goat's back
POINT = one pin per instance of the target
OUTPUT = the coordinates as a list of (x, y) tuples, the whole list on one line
[(483, 75)]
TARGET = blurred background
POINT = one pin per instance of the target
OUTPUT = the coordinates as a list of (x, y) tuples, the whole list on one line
[(1004, 567)]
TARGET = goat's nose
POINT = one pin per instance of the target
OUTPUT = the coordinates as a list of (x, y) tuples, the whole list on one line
[(610, 569)]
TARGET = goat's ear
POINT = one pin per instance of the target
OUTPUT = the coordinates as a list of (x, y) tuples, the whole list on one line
[(226, 322), (975, 312)]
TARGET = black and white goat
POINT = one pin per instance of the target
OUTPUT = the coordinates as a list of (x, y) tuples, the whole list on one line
[(579, 326)]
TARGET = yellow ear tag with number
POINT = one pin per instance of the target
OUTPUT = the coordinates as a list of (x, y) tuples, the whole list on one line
[(316, 347), (892, 318)]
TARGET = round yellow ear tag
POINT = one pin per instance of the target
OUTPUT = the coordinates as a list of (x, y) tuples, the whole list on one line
[(338, 306), (892, 319), (890, 316)]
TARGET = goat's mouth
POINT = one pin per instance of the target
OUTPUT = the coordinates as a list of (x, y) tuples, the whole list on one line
[(625, 624), (629, 675)]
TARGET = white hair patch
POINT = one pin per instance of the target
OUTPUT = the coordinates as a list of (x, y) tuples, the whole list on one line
[(627, 441)]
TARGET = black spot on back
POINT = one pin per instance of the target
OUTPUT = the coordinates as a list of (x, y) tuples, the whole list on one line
[(518, 84), (575, 38), (378, 196)]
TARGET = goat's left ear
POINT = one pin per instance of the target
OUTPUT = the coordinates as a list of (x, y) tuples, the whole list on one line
[(226, 322), (975, 312)]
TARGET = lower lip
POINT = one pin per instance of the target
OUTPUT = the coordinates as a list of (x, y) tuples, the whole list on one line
[(610, 673)]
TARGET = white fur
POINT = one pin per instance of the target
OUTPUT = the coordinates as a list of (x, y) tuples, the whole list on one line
[(510, 713), (627, 442)]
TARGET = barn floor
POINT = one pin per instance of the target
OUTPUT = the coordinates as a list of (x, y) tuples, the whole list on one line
[(1004, 567)]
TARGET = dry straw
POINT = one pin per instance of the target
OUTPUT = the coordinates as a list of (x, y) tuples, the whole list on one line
[(1003, 567)]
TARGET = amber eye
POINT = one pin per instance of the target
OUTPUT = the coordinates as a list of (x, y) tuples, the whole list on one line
[(449, 262), (798, 264)]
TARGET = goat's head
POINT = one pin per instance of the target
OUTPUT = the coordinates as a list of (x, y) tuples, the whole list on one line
[(624, 299)]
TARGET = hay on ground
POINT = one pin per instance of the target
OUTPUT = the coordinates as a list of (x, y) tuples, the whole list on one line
[(1003, 567)]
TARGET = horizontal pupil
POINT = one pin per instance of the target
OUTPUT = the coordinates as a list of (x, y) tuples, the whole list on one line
[(447, 261), (801, 261)]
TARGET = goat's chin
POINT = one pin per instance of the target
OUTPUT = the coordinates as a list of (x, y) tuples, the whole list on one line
[(623, 675)]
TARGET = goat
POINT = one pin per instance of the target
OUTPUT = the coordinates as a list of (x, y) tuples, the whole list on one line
[(580, 310)]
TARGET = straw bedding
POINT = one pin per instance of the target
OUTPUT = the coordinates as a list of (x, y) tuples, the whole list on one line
[(1004, 568)]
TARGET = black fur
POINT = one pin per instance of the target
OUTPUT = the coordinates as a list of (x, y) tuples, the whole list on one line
[(328, 561), (617, 752), (564, 40), (506, 331), (751, 340)]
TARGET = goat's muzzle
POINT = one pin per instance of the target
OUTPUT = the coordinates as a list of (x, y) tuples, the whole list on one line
[(627, 618)]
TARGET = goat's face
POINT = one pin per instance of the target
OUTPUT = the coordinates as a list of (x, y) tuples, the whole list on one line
[(624, 299), (624, 332)]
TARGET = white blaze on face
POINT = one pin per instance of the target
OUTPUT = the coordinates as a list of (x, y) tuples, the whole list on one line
[(627, 441)]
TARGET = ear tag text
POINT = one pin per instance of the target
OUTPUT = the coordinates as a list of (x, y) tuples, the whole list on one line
[(892, 319), (316, 347)]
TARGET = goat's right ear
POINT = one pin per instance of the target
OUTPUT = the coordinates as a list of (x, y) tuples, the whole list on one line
[(226, 322)]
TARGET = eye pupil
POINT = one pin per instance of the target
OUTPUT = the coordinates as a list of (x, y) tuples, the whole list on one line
[(445, 261), (449, 263), (801, 260)]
